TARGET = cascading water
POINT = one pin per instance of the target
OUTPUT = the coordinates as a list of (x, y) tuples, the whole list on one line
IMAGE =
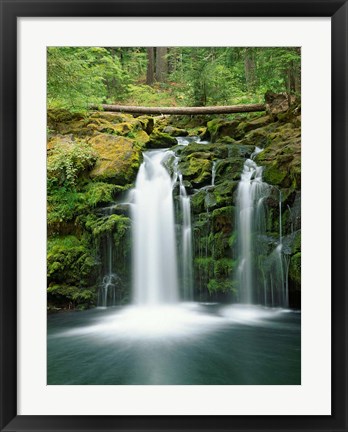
[(262, 276), (108, 289), (213, 173), (250, 212), (154, 246), (187, 262)]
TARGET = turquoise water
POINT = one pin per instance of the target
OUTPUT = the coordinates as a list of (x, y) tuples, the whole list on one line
[(188, 344)]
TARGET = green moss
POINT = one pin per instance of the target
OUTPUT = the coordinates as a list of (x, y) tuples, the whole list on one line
[(220, 286), (69, 261), (174, 131), (223, 192), (160, 140), (196, 170), (69, 297), (197, 201), (111, 223), (219, 128), (118, 159), (274, 175), (295, 268), (229, 169), (296, 246), (222, 219)]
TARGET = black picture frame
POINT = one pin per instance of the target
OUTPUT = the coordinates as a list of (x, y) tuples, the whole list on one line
[(10, 11)]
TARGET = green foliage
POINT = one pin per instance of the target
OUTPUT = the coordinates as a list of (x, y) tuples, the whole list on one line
[(141, 94), (78, 76), (99, 193), (295, 268), (69, 261), (110, 223), (67, 161), (72, 296)]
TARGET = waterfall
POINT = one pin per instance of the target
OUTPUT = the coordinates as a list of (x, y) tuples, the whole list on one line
[(155, 278), (187, 262), (110, 283), (250, 213), (213, 173), (262, 276)]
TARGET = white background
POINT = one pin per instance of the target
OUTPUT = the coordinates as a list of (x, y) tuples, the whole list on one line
[(314, 395)]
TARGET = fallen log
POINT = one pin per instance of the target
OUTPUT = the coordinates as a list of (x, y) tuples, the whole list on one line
[(182, 110)]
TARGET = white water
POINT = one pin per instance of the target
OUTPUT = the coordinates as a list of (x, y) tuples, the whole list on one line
[(154, 247), (213, 173), (250, 217), (187, 261), (110, 282), (262, 275)]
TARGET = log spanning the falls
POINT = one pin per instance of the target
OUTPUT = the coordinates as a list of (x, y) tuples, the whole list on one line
[(183, 110)]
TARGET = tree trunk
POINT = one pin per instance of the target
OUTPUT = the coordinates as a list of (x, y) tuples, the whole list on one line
[(161, 64), (184, 110), (150, 65), (249, 67)]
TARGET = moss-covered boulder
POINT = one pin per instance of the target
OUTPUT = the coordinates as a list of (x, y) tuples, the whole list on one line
[(174, 131), (197, 169), (160, 140), (219, 128), (118, 159), (282, 158), (148, 123), (229, 169)]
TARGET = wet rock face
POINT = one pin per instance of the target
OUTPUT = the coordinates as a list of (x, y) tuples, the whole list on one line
[(118, 140)]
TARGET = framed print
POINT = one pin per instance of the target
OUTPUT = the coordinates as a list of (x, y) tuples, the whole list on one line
[(173, 215)]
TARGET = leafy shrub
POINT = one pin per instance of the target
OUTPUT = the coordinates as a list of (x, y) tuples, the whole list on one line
[(68, 160)]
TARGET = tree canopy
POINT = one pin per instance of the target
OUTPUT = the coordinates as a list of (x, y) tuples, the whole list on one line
[(169, 76)]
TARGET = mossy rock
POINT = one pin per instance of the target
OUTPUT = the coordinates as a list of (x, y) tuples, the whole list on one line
[(219, 128), (229, 169), (174, 131), (160, 140), (226, 140), (148, 123), (218, 151), (196, 170), (248, 125), (140, 137), (223, 219), (295, 268), (198, 201), (60, 115), (257, 137), (118, 159), (103, 126), (224, 192), (59, 140), (112, 117), (296, 246)]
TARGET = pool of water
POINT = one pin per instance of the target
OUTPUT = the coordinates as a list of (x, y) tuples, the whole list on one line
[(187, 344)]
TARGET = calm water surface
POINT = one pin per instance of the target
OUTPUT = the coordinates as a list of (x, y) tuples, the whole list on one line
[(187, 344)]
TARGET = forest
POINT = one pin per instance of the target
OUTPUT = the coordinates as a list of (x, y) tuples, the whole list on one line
[(169, 76), (94, 157), (174, 240)]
